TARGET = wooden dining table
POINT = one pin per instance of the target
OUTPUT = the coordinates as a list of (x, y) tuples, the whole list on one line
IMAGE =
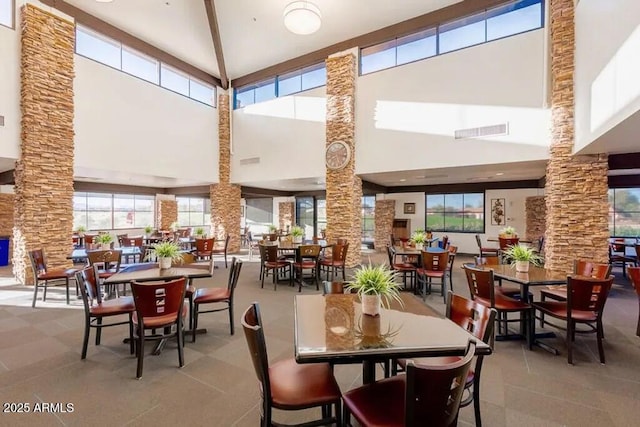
[(332, 328)]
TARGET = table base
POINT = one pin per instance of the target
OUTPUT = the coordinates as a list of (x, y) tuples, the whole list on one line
[(163, 341)]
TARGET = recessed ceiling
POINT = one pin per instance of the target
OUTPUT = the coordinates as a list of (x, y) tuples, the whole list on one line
[(113, 177)]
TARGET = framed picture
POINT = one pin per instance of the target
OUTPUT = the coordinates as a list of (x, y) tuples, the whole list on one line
[(497, 211), (409, 208)]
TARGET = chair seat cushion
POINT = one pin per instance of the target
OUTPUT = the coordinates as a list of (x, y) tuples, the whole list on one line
[(404, 267), (305, 264), (559, 309), (331, 263), (430, 273), (439, 361), (204, 295), (504, 303), (113, 307), (161, 321), (279, 264), (58, 274), (302, 385), (378, 404)]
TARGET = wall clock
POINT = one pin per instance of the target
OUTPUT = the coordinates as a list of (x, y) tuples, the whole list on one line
[(337, 155)]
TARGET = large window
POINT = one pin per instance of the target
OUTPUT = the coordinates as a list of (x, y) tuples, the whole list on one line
[(193, 211), (503, 21), (283, 85), (104, 211), (259, 215), (459, 213), (368, 218), (6, 13), (111, 52), (306, 215), (624, 212)]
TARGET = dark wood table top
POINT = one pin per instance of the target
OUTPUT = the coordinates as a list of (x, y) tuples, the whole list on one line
[(149, 271), (333, 328), (81, 253), (537, 276), (413, 251)]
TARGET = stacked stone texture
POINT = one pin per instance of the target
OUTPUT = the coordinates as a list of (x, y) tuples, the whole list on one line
[(344, 188), (43, 213), (384, 214), (576, 186), (535, 213), (225, 197), (167, 213), (285, 214)]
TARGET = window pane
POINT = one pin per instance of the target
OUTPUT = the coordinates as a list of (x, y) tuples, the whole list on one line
[(417, 46), (97, 202), (174, 81), (513, 19), (196, 218), (80, 201), (627, 199), (289, 83), (79, 219), (435, 202), (462, 33), (99, 220), (435, 221), (144, 203), (6, 10), (201, 92), (453, 221), (100, 48), (196, 204), (453, 202), (142, 219), (183, 218), (123, 219), (245, 98), (266, 92), (628, 225), (473, 221), (378, 57), (183, 203), (123, 202), (314, 78), (140, 65)]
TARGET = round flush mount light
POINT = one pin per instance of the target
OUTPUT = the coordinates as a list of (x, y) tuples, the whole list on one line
[(302, 17), (104, 1)]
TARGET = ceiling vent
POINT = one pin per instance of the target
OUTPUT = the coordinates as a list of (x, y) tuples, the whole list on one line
[(479, 132), (250, 161)]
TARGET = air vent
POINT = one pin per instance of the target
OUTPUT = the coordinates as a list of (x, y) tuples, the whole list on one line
[(479, 132), (250, 161), (1, 120)]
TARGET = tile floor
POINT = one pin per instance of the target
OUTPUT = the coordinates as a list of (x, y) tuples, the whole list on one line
[(40, 363)]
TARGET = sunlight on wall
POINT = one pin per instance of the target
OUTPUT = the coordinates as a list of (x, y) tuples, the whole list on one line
[(443, 119), (618, 84), (308, 108)]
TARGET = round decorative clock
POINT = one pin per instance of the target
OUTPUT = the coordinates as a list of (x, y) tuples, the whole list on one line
[(337, 155)]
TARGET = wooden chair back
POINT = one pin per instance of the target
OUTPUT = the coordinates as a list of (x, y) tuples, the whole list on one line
[(453, 250), (339, 252), (131, 242), (204, 245), (105, 259), (333, 288), (254, 334), (234, 274), (89, 239), (435, 261), (487, 260), (587, 294), (87, 279), (474, 318), (309, 251), (38, 262), (159, 299), (480, 283), (634, 276), (588, 268), (271, 253), (505, 242)]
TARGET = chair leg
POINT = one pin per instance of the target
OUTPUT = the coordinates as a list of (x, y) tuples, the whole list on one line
[(343, 274), (131, 340), (476, 395), (262, 273), (570, 327), (44, 294), (191, 312), (67, 286), (542, 299), (231, 317), (180, 338), (85, 341), (98, 330), (339, 412), (600, 336), (35, 293), (195, 322), (225, 260), (140, 350)]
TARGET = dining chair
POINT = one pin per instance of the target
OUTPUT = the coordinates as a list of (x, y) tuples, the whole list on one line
[(634, 275), (217, 250), (274, 264), (426, 396), (96, 310), (486, 250), (617, 255), (581, 267), (89, 240), (476, 319), (204, 248), (307, 257), (218, 296), (510, 291), (402, 267), (159, 306), (505, 243), (483, 291), (453, 250), (286, 384), (108, 263), (43, 276), (585, 302), (434, 266), (132, 242), (335, 262)]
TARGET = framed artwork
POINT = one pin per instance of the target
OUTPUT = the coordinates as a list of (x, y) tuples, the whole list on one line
[(409, 208), (497, 211)]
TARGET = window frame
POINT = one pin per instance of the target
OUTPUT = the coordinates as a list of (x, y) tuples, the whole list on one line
[(12, 24), (205, 210), (613, 211), (444, 211), (373, 224), (112, 210)]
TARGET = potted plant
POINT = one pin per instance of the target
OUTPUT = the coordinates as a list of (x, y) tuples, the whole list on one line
[(80, 230), (199, 233), (508, 232), (297, 233), (521, 256), (104, 240), (418, 238), (148, 230), (272, 229), (166, 253), (375, 285)]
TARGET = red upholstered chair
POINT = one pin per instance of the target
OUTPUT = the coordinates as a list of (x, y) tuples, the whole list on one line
[(336, 262), (159, 306), (204, 248), (434, 266), (222, 298), (272, 263), (617, 255), (510, 291), (96, 310), (402, 267), (307, 257), (479, 321), (288, 385), (453, 250), (132, 242), (426, 396), (42, 276), (486, 250), (483, 291), (221, 250), (634, 275), (581, 267), (505, 243), (585, 302)]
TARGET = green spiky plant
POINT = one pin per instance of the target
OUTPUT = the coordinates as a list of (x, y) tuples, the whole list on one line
[(297, 231), (522, 253), (376, 280), (165, 250)]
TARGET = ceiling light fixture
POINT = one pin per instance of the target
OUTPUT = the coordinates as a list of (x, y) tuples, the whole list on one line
[(302, 17), (104, 1)]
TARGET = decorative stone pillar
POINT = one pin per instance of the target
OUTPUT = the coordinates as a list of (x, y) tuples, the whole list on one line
[(576, 186), (344, 187), (535, 213), (285, 214), (167, 214), (225, 197), (384, 214), (43, 214)]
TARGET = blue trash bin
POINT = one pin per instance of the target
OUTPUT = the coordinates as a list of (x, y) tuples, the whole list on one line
[(4, 250)]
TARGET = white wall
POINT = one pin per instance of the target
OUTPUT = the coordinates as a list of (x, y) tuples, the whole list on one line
[(607, 67), (10, 93), (125, 124), (417, 219), (406, 116), (287, 134)]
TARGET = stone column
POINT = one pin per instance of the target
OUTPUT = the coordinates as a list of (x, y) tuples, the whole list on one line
[(43, 214), (344, 187), (576, 186), (535, 213), (167, 214), (385, 213), (225, 197), (285, 214)]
